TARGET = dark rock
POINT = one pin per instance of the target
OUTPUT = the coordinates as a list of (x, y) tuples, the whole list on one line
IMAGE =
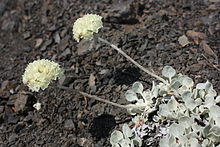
[(52, 28), (66, 80), (46, 44), (27, 35), (144, 46), (12, 100), (10, 21), (14, 145), (66, 53), (13, 137), (63, 44), (63, 32), (75, 145), (131, 74), (4, 84), (4, 94), (2, 109), (124, 12), (2, 7), (27, 48), (12, 119), (84, 46), (8, 24), (19, 127), (102, 125)]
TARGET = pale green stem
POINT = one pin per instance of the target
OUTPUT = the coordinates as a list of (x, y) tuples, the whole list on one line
[(133, 61), (100, 99)]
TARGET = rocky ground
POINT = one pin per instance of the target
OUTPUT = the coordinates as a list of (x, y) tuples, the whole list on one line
[(181, 33)]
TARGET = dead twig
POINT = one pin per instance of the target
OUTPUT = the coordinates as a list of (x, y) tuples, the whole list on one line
[(86, 103), (210, 63)]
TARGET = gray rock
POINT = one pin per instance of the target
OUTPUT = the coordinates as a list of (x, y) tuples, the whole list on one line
[(21, 102), (84, 45), (46, 44), (27, 35), (4, 84), (63, 43), (2, 109), (66, 52), (69, 124), (8, 24), (2, 7), (57, 37), (12, 119), (124, 12), (66, 80), (144, 46)]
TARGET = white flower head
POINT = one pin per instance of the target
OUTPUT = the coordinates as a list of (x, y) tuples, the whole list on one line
[(85, 26), (37, 106), (40, 73)]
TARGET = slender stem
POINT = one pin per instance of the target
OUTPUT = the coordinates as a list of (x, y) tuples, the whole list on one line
[(100, 99), (133, 61)]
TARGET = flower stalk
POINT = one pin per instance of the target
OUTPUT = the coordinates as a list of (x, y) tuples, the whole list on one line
[(100, 99), (86, 26), (132, 60)]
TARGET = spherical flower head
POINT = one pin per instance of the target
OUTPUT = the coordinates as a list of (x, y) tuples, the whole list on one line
[(40, 73), (85, 26)]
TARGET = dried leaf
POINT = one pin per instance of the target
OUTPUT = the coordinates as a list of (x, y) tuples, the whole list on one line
[(183, 40), (208, 49), (193, 34)]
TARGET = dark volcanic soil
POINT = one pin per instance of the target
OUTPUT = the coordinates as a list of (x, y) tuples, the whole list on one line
[(147, 30)]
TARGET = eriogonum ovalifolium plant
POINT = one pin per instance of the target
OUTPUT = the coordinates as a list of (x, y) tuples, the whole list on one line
[(86, 26), (192, 112), (40, 73), (192, 109)]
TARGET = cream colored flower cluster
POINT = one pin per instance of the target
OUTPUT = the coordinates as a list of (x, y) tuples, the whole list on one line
[(87, 25), (40, 73)]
